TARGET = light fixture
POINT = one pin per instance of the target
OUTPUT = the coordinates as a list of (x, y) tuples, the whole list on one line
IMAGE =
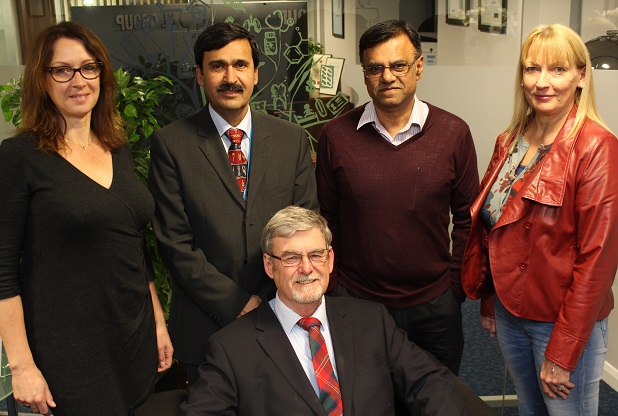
[(604, 51)]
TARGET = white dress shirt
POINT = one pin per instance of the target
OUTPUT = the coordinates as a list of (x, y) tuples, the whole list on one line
[(223, 126), (299, 338)]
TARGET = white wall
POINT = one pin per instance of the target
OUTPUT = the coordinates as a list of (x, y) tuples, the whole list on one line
[(598, 16), (10, 50), (536, 12), (346, 48), (466, 45)]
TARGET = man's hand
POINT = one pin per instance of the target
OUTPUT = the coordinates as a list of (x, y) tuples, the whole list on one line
[(489, 324), (253, 303)]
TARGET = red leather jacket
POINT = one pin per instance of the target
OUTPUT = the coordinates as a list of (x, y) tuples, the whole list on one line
[(552, 255)]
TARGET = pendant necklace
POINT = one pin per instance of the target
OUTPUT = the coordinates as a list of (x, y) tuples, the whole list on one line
[(77, 144)]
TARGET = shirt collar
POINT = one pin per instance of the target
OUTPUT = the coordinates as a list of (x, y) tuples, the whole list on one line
[(418, 116), (223, 126), (289, 318)]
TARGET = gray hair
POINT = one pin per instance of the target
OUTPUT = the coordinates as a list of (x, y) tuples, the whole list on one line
[(291, 219)]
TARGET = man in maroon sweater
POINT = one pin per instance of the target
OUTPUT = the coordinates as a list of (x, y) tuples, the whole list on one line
[(388, 174)]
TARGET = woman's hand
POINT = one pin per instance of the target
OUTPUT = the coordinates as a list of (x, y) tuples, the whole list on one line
[(29, 385), (489, 324), (164, 347), (30, 389), (555, 380), (165, 350)]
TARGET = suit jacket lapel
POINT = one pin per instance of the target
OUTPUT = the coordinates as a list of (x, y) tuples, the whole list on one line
[(277, 347), (211, 146), (343, 336), (261, 149)]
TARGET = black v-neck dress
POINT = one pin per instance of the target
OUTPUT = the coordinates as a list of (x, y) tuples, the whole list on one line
[(74, 252)]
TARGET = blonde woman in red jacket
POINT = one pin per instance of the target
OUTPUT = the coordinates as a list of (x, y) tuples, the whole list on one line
[(542, 254)]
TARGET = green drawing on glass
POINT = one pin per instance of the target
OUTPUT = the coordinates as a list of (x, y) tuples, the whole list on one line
[(327, 76), (235, 4)]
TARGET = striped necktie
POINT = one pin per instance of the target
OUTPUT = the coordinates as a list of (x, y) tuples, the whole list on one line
[(330, 394)]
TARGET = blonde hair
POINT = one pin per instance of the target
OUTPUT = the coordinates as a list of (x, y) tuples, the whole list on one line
[(557, 44)]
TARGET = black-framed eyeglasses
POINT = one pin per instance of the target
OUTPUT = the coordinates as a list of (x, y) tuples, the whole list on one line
[(316, 257), (398, 69), (90, 70)]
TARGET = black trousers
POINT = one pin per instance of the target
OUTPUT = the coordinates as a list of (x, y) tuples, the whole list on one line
[(435, 326)]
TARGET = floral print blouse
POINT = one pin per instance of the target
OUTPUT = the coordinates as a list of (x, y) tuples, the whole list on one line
[(510, 180)]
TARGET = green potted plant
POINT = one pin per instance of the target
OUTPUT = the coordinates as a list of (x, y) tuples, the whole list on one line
[(137, 100)]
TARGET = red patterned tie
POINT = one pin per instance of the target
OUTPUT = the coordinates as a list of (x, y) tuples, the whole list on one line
[(237, 158), (330, 394)]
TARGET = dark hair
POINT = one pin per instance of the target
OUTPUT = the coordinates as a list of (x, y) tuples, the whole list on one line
[(41, 117), (220, 34), (383, 31)]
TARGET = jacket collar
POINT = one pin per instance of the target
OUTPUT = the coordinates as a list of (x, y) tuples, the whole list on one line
[(548, 184), (261, 149), (545, 186), (344, 342), (277, 347)]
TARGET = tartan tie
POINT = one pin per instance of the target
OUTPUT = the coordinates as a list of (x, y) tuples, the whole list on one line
[(330, 394), (237, 158)]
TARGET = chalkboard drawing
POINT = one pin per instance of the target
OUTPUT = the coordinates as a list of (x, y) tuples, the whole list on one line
[(312, 85), (294, 54), (327, 76), (279, 16), (259, 106), (330, 75), (235, 4), (308, 116), (316, 66), (279, 95), (186, 68), (336, 104), (321, 108), (183, 110), (270, 43), (131, 45), (160, 39), (252, 23)]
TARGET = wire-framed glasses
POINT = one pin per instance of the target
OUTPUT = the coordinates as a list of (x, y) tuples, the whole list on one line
[(316, 257), (398, 69), (90, 70)]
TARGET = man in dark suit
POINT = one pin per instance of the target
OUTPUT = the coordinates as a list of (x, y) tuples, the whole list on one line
[(263, 364), (215, 190)]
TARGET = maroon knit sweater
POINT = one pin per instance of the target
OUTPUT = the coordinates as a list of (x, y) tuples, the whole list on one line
[(388, 206)]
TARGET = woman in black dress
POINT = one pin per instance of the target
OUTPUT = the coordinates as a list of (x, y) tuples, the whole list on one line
[(80, 318)]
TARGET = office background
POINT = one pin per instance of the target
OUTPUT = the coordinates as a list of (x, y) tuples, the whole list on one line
[(470, 55)]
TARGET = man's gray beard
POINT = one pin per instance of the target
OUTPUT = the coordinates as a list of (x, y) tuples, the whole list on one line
[(304, 296)]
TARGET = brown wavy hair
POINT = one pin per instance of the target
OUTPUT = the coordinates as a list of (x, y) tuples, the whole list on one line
[(40, 116)]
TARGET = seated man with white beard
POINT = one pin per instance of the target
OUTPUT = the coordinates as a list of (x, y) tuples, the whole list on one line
[(306, 354)]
